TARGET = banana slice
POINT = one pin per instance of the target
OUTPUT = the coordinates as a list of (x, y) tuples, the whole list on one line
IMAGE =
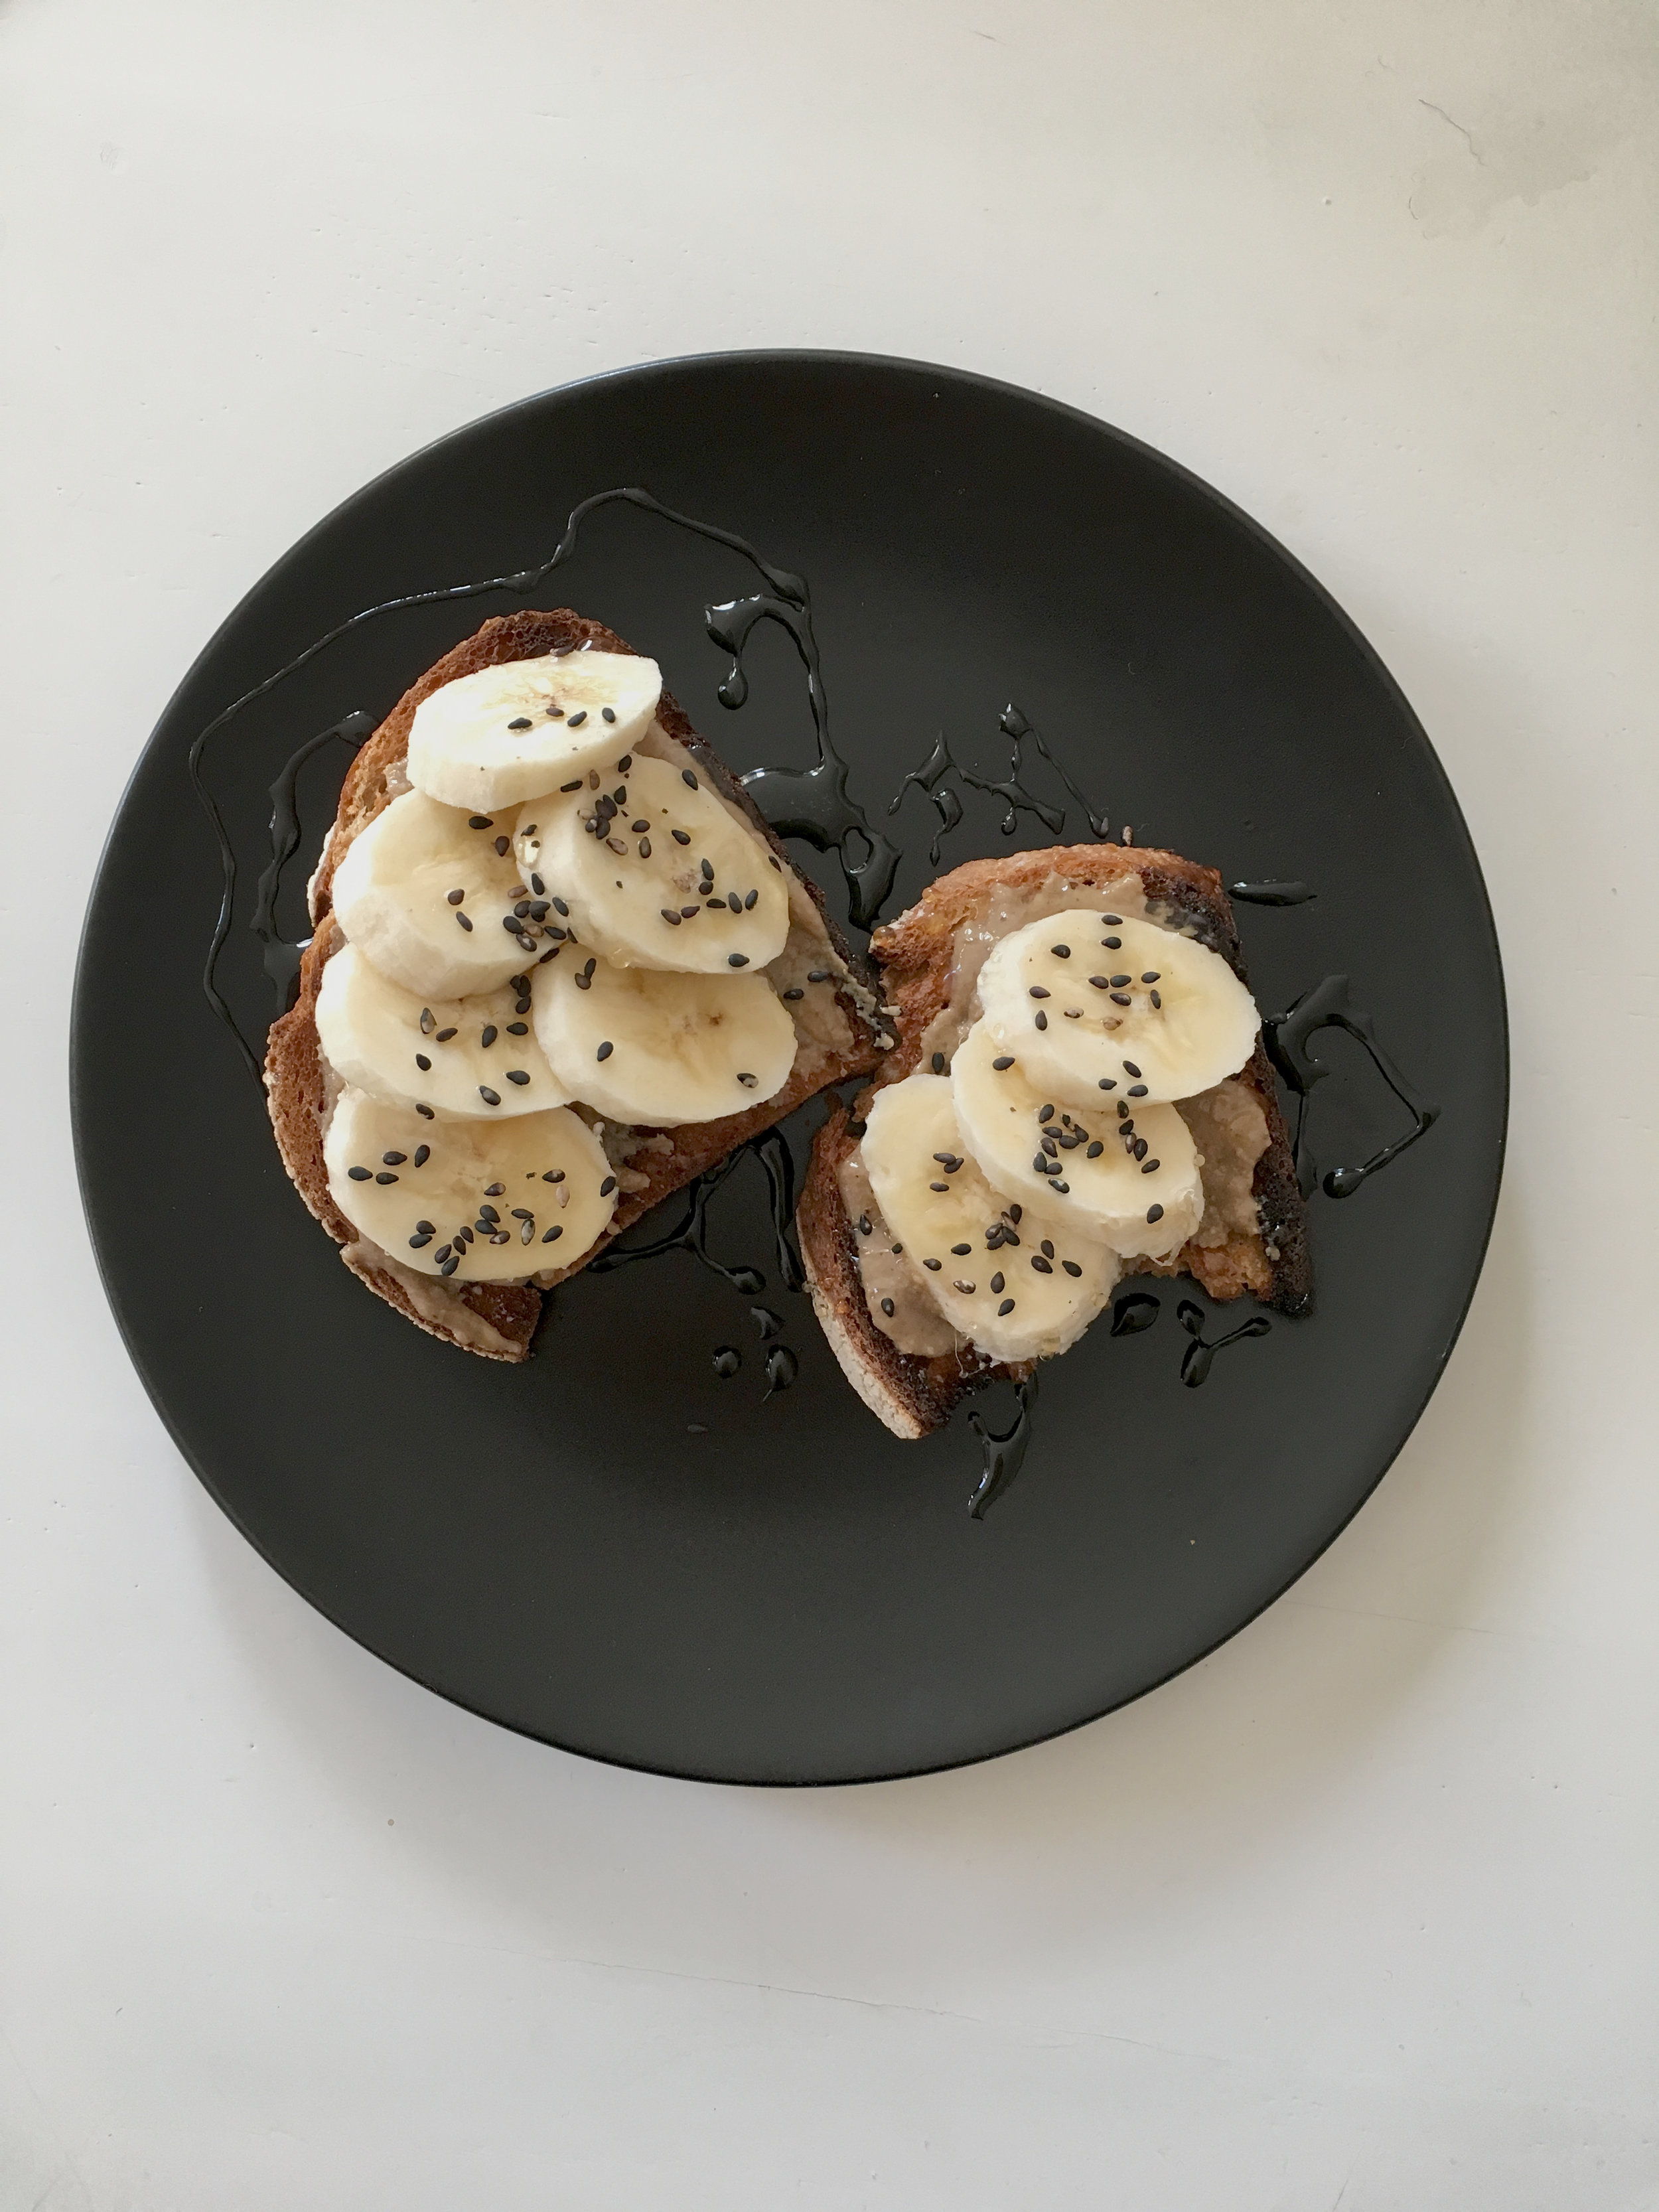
[(645, 1046), (423, 893), (476, 1056), (657, 872), (501, 734), (1131, 1178), (482, 1201), (1019, 1281), (1097, 1003)]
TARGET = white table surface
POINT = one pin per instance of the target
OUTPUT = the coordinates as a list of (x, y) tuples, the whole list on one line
[(1354, 1914)]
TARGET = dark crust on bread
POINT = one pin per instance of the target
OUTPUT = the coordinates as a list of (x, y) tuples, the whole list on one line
[(295, 1076), (915, 955)]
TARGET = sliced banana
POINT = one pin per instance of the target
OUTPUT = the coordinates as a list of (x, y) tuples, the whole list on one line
[(657, 872), (1020, 1282), (1095, 1003), (479, 1201), (423, 893), (1132, 1179), (501, 734), (476, 1056), (646, 1046)]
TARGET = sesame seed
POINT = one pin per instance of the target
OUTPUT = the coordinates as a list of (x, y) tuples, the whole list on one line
[(1003, 1064), (385, 1175), (897, 1248), (455, 897), (425, 1112), (938, 1186), (1037, 991), (1065, 1186), (689, 913), (1060, 951), (449, 1265), (592, 778), (393, 1160), (1112, 943), (1006, 1307), (1100, 983), (624, 763), (490, 1097), (552, 1235), (463, 1236), (616, 845), (734, 901), (1120, 997), (1150, 976), (423, 1063), (1118, 981), (639, 824), (1112, 921), (1041, 1020), (818, 975), (967, 1289), (750, 1082), (688, 779), (1155, 1213), (360, 1174), (681, 837), (1137, 1090), (519, 722), (749, 898), (488, 1212), (1149, 1167), (1045, 1113), (960, 1251), (865, 1224), (604, 1050), (671, 915), (518, 1029), (1071, 1266), (501, 1236), (487, 1036), (1039, 1164), (609, 713), (737, 959), (444, 1036), (1016, 1213), (517, 1075), (583, 982), (554, 1174), (1095, 1150), (607, 1186), (463, 920), (578, 718), (933, 1266), (796, 992), (1046, 1248), (1129, 1068), (1140, 1148), (575, 784), (1157, 1001), (997, 1281), (887, 1308), (1109, 1083), (708, 871), (938, 1063), (501, 844), (480, 822), (1041, 1264)]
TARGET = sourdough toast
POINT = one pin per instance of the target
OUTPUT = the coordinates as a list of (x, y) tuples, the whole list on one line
[(1253, 1234), (842, 1039)]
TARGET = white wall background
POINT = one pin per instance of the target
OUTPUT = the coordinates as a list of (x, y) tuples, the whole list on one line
[(1360, 1913)]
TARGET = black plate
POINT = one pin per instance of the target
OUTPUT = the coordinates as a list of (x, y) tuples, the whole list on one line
[(782, 1592)]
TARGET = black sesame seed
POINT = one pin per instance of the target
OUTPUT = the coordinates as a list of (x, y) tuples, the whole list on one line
[(604, 1050), (1109, 1083), (609, 713), (423, 1063), (1071, 1266), (680, 837), (865, 1224), (1139, 1145), (1120, 997), (1156, 1000), (797, 993), (997, 1282), (1112, 921), (519, 722), (444, 1036), (749, 1082), (734, 901), (385, 1175), (1004, 1064), (689, 913), (464, 920), (490, 1097), (1150, 976), (449, 1265), (501, 844), (1060, 951), (1006, 1307), (1065, 1186), (933, 1266), (1095, 1150), (518, 1029), (480, 822), (607, 1186), (1041, 1020), (639, 824), (1137, 1090), (1045, 1113), (552, 1235), (578, 718), (583, 982), (393, 1160), (521, 1213), (1040, 1162), (360, 1174), (688, 779), (1112, 943), (517, 1075), (1155, 1213), (1099, 983), (960, 1251), (671, 915), (938, 1063), (624, 763), (1041, 1264), (487, 1035), (463, 1236), (1129, 1068), (708, 872), (1016, 1213), (887, 1308), (554, 1174), (749, 901), (1037, 991), (938, 1186), (818, 975), (426, 1113), (1149, 1167), (422, 1154), (737, 959), (488, 1212), (575, 784), (455, 897), (1046, 1248)]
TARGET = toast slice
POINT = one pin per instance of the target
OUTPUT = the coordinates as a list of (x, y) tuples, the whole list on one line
[(841, 1037), (1252, 1236)]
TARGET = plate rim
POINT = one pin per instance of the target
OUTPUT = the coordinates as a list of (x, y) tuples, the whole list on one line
[(643, 371)]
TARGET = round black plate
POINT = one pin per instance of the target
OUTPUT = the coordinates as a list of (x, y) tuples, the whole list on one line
[(611, 1548)]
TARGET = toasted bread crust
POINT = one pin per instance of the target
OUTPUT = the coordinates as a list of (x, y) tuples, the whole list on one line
[(916, 956), (296, 1080)]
